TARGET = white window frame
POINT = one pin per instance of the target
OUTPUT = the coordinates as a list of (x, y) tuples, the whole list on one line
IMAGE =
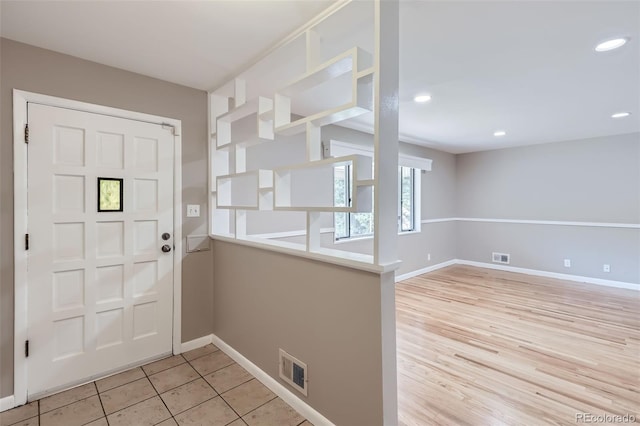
[(336, 148), (416, 193)]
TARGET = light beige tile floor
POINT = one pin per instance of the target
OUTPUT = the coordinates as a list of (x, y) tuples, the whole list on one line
[(203, 387)]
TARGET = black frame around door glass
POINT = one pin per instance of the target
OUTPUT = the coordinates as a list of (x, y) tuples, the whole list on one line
[(120, 191)]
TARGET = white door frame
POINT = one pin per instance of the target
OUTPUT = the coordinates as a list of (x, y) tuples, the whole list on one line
[(20, 100)]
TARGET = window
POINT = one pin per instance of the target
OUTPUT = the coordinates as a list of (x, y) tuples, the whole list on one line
[(407, 198), (348, 225), (354, 225)]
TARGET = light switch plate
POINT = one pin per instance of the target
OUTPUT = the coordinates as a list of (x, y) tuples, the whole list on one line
[(193, 210)]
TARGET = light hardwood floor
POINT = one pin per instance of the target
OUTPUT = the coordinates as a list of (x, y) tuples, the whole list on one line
[(484, 347)]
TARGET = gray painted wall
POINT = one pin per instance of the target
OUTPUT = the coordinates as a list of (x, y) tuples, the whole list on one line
[(592, 180), (37, 70), (325, 315), (544, 248)]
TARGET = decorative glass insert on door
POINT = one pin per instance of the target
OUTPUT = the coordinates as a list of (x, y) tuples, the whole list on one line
[(110, 194)]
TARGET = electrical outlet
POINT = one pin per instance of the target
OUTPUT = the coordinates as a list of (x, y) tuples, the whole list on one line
[(428, 256), (567, 263), (606, 268), (193, 210)]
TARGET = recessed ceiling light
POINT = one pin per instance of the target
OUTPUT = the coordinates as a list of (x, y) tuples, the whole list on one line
[(620, 114), (611, 44), (422, 98), (499, 133)]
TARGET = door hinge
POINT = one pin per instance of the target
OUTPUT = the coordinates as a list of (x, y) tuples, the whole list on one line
[(26, 241), (26, 349), (26, 133)]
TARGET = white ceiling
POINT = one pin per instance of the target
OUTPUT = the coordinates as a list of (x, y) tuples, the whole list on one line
[(199, 44), (528, 68)]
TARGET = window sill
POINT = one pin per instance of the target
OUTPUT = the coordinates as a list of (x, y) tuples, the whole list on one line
[(353, 239)]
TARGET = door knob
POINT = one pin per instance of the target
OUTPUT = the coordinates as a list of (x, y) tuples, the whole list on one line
[(166, 248), (166, 236)]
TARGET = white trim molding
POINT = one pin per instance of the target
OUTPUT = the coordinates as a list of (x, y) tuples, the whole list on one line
[(535, 272), (557, 275), (197, 343), (6, 403), (536, 222), (276, 387), (421, 271), (444, 219), (20, 102)]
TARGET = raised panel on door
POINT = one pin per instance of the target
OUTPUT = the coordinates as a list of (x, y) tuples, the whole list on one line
[(100, 289)]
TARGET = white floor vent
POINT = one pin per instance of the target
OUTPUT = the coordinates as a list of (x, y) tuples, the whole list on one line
[(294, 372), (501, 258)]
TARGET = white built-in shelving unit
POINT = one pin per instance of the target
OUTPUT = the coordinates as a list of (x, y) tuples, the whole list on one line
[(239, 187)]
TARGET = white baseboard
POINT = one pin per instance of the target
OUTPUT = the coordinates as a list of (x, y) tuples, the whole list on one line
[(276, 387), (196, 343), (536, 272), (6, 403), (425, 270), (577, 278)]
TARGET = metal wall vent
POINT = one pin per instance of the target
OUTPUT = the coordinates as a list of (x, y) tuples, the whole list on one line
[(501, 258), (294, 372)]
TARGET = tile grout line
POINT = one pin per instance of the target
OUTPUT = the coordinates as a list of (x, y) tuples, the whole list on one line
[(65, 405), (164, 369), (101, 404), (200, 377), (176, 387), (198, 357), (156, 390), (100, 399), (214, 389), (262, 405), (220, 394), (238, 385), (190, 381), (129, 406), (158, 394), (209, 384), (98, 393), (147, 376)]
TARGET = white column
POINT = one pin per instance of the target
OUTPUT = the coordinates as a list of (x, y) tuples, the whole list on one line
[(386, 105), (386, 131)]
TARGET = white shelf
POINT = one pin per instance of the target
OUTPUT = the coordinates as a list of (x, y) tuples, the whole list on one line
[(244, 110), (310, 186), (324, 118), (263, 107), (236, 194), (353, 60), (245, 191), (266, 115), (358, 63), (219, 166)]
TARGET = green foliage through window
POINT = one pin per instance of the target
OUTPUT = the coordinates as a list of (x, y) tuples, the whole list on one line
[(350, 225), (407, 210)]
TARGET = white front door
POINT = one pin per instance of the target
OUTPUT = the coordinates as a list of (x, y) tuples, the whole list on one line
[(100, 286)]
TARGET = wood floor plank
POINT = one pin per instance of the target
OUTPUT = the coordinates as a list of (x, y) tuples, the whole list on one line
[(484, 347)]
